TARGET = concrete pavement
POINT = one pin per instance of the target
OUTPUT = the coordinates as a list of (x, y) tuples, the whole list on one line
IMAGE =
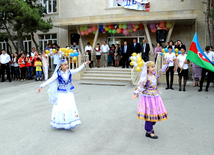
[(109, 123)]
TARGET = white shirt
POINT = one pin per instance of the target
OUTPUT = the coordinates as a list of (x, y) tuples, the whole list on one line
[(170, 56), (105, 48), (98, 53), (45, 61), (88, 48), (32, 54), (5, 58), (181, 61), (15, 64), (210, 55)]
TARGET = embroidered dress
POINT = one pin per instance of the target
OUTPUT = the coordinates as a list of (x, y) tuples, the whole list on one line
[(151, 107), (64, 113)]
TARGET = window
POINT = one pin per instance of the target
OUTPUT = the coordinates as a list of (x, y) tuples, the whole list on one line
[(51, 5), (3, 45), (112, 3), (45, 39), (27, 44)]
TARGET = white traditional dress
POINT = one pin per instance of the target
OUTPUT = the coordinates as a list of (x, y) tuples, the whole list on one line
[(64, 113)]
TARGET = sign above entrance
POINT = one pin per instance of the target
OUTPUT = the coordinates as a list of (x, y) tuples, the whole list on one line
[(140, 5)]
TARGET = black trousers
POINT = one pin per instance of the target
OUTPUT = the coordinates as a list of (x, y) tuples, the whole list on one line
[(145, 57), (171, 70), (125, 60), (203, 74), (3, 68), (89, 55), (23, 71)]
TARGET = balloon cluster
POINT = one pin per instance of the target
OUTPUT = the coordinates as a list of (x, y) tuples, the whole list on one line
[(162, 25), (85, 30), (137, 62), (121, 28), (165, 50), (64, 52)]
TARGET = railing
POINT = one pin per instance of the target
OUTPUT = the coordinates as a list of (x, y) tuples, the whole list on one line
[(80, 60)]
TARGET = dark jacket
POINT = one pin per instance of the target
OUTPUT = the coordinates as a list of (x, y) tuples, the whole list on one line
[(135, 48), (182, 46), (147, 49), (128, 52)]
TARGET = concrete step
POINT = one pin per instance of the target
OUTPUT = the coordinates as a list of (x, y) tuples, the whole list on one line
[(107, 72), (106, 79), (106, 75), (110, 69)]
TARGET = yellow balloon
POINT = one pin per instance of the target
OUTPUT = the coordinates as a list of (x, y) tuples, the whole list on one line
[(176, 54), (164, 54), (139, 59), (134, 54), (140, 64), (176, 50), (46, 51), (163, 50), (66, 54), (131, 59), (138, 69), (75, 58), (131, 63), (71, 51), (54, 51)]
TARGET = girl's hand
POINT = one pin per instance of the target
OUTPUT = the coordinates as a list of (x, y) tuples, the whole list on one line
[(134, 96), (87, 62), (39, 90)]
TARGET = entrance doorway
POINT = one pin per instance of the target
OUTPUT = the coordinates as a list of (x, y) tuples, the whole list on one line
[(120, 40)]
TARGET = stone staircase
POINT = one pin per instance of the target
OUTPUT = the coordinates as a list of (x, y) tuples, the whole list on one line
[(107, 74)]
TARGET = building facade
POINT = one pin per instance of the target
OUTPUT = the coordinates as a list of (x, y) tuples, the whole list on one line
[(186, 16)]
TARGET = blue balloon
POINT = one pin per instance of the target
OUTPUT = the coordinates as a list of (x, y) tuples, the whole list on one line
[(76, 54), (179, 52), (173, 50), (161, 54), (166, 50), (101, 27), (72, 55)]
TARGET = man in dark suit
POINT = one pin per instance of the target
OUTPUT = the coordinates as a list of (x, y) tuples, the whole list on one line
[(135, 47), (145, 49), (125, 54)]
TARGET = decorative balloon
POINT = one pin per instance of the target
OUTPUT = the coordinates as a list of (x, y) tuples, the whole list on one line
[(75, 58), (166, 50), (115, 26), (125, 32), (138, 69), (118, 30), (162, 25), (133, 25), (94, 28), (90, 30), (114, 31), (101, 27), (86, 32), (134, 54), (104, 26), (134, 29), (152, 26), (85, 28), (131, 30), (124, 26), (82, 33), (140, 25), (168, 25), (136, 26), (154, 30), (109, 31), (106, 29), (176, 50), (129, 26), (120, 26), (157, 25), (81, 28)]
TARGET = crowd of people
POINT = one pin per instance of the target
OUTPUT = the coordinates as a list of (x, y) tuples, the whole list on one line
[(34, 64)]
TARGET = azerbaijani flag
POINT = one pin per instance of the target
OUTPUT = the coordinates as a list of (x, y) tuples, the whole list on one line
[(197, 55)]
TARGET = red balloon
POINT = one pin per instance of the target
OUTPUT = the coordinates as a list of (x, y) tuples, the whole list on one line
[(140, 25), (134, 29), (118, 30), (109, 26), (126, 32), (162, 25), (94, 28), (165, 28), (112, 27), (82, 33), (154, 30), (122, 30), (86, 32)]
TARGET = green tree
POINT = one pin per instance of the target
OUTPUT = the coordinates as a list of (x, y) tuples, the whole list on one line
[(22, 16)]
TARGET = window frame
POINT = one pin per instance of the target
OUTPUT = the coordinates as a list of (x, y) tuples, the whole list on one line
[(47, 6), (43, 41)]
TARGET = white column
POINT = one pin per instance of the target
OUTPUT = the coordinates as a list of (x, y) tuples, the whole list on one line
[(63, 37), (80, 41), (94, 44), (170, 32), (148, 37)]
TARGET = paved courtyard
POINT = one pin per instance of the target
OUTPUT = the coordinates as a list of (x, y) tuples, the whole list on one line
[(109, 123)]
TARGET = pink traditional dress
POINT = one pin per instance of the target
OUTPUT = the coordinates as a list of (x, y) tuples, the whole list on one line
[(151, 107)]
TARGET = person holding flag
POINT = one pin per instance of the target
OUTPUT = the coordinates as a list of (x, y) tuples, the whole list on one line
[(209, 54), (205, 60)]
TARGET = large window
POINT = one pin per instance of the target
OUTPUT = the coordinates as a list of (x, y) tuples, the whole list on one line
[(51, 5), (45, 39)]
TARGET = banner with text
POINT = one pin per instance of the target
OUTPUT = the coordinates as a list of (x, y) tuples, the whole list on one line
[(134, 4)]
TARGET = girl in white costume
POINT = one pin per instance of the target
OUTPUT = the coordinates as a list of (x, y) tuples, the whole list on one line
[(64, 113)]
